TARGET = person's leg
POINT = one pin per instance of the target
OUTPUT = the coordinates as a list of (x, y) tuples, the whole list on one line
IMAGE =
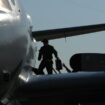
[(49, 67), (41, 67)]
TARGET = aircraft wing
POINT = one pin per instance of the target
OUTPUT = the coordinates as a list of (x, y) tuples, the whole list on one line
[(67, 32), (63, 89)]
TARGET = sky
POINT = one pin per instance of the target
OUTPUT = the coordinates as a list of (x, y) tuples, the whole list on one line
[(52, 14)]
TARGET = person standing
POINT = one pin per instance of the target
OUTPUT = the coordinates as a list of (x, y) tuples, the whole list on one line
[(46, 55)]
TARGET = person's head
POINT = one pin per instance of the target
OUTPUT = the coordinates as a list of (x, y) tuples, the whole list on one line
[(45, 41)]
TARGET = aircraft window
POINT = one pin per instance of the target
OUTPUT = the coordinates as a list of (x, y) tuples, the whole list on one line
[(4, 5), (13, 1)]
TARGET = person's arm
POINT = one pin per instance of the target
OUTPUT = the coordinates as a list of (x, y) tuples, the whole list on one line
[(55, 53)]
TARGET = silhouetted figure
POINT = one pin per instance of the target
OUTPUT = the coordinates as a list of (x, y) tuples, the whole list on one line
[(45, 55)]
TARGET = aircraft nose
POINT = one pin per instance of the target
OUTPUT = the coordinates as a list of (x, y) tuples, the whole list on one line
[(10, 43), (13, 46), (5, 24), (6, 29), (5, 18)]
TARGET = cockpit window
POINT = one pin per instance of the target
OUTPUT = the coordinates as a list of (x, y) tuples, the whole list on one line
[(4, 5)]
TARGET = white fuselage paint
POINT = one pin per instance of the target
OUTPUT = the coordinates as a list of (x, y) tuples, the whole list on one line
[(14, 38), (15, 42)]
